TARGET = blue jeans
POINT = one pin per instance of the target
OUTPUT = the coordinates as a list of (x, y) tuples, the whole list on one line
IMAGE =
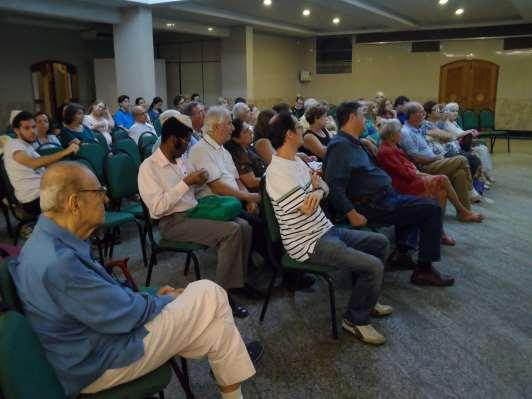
[(362, 253)]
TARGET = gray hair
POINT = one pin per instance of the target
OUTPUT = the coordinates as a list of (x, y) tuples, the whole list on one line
[(389, 128), (451, 107), (240, 109), (58, 182), (215, 115), (411, 108), (310, 102)]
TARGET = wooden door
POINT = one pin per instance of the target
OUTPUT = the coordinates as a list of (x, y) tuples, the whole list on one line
[(470, 83)]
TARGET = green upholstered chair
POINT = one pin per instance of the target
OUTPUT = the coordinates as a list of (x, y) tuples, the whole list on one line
[(146, 142), (119, 134), (282, 262), (93, 154), (487, 129), (129, 147), (48, 149), (470, 120), (101, 140), (162, 245), (157, 126)]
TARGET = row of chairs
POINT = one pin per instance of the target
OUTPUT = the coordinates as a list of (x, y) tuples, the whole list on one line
[(484, 122)]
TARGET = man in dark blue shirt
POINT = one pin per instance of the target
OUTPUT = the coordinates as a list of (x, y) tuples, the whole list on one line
[(362, 192)]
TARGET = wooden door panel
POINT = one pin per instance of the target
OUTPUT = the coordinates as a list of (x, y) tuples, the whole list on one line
[(453, 82), (484, 76)]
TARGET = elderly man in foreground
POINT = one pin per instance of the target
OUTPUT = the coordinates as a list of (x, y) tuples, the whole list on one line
[(97, 333)]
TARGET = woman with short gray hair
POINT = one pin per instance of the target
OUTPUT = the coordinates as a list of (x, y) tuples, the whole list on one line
[(406, 179)]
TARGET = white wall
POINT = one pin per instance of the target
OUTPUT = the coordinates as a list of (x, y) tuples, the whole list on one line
[(21, 46)]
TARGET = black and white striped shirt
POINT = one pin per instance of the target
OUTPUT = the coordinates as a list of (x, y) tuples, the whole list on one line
[(288, 183)]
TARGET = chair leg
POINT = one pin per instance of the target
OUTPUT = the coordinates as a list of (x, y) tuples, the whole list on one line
[(187, 263), (333, 305), (8, 221), (268, 295), (492, 143), (150, 268), (182, 379), (142, 243), (196, 266), (161, 395)]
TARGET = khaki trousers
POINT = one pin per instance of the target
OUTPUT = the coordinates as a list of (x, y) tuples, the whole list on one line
[(457, 170), (233, 240), (198, 323)]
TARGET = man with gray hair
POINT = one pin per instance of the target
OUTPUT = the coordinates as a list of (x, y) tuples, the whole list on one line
[(98, 333), (141, 125), (414, 143), (242, 111)]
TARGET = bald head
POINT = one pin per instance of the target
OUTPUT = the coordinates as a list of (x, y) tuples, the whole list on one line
[(139, 113), (61, 180)]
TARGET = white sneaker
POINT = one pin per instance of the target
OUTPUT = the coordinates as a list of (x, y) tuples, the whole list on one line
[(475, 196), (366, 334), (381, 310)]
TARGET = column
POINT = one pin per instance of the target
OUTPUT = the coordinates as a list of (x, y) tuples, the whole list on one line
[(237, 63)]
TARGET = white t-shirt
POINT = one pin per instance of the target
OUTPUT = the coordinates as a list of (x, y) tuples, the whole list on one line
[(26, 181), (209, 155), (137, 129), (101, 124), (287, 184)]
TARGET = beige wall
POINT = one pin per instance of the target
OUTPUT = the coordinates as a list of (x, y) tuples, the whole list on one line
[(393, 69), (276, 66)]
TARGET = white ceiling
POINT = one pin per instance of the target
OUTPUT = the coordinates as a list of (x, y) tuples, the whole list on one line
[(285, 16)]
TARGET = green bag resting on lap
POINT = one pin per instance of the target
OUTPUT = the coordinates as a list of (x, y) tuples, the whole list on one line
[(216, 207)]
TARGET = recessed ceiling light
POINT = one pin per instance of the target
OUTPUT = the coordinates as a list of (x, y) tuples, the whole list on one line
[(306, 12), (459, 11), (443, 2), (336, 20), (267, 3), (170, 25), (210, 29)]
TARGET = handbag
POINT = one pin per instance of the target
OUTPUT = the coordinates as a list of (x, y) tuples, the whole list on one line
[(216, 207)]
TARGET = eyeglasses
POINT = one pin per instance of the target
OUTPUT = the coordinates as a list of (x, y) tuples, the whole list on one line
[(102, 190), (183, 141)]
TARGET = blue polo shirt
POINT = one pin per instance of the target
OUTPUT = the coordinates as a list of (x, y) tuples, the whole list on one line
[(413, 141), (124, 119), (86, 321), (350, 172)]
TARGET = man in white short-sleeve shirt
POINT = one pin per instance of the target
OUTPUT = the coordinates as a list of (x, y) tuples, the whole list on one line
[(141, 124), (24, 166)]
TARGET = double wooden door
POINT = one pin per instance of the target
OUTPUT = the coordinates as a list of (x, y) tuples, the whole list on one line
[(470, 83)]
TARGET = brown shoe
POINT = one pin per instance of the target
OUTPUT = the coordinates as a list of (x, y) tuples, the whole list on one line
[(430, 277), (398, 261)]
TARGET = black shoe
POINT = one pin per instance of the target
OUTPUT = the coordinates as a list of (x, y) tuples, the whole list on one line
[(255, 350), (297, 281), (398, 261), (238, 311)]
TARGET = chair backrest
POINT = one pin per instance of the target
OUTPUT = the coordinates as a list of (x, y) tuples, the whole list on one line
[(460, 121), (48, 149), (101, 140), (129, 147), (7, 287), (487, 120), (470, 120), (146, 142), (121, 176), (94, 154), (157, 126), (24, 369), (273, 234), (119, 134)]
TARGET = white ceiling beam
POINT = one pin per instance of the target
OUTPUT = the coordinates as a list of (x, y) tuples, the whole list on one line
[(524, 7), (63, 9), (173, 25), (395, 19), (244, 19)]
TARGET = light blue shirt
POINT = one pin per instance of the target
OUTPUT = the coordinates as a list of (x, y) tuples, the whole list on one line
[(413, 141), (86, 321)]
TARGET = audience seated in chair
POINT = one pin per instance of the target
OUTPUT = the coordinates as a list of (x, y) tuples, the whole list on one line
[(96, 332), (44, 133), (445, 143), (242, 112), (480, 150), (406, 179), (296, 192), (179, 102), (141, 124), (99, 118), (316, 137), (399, 107), (298, 110), (385, 111), (196, 112), (24, 166), (73, 128), (262, 145), (414, 143), (123, 117), (155, 109), (168, 189), (309, 103), (362, 193), (249, 165)]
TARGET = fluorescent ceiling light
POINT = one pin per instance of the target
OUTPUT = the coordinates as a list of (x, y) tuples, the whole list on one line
[(443, 2), (459, 11), (267, 3), (306, 12), (154, 2), (336, 20)]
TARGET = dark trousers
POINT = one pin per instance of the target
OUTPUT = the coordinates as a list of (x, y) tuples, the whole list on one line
[(411, 216), (33, 207), (259, 239)]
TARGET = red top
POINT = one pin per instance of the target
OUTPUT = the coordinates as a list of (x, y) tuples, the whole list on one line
[(402, 171)]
